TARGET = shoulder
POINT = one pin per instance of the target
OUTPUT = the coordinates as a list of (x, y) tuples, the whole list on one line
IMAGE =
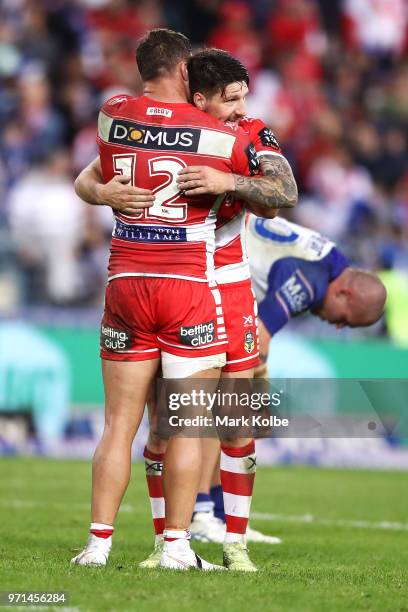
[(260, 134), (251, 125), (117, 103)]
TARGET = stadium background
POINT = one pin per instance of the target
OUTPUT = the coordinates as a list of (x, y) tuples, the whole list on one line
[(330, 78)]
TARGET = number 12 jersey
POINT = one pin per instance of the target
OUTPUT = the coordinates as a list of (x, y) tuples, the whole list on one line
[(150, 142)]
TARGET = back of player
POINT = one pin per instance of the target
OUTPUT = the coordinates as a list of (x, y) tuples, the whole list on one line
[(151, 141), (291, 267)]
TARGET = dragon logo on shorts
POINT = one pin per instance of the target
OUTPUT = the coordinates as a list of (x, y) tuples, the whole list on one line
[(249, 342)]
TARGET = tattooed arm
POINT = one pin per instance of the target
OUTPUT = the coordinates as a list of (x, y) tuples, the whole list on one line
[(276, 188)]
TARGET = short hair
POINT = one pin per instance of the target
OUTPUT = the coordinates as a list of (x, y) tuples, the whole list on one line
[(210, 71), (159, 52)]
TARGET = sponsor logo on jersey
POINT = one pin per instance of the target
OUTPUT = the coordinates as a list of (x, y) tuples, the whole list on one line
[(198, 335), (249, 341), (252, 158), (160, 112), (114, 339), (149, 233), (154, 137), (268, 138), (248, 321), (295, 293)]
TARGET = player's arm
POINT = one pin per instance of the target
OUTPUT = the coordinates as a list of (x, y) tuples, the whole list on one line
[(262, 211), (276, 188), (117, 193)]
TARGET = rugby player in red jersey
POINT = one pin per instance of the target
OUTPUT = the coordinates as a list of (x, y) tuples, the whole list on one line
[(225, 84), (161, 299)]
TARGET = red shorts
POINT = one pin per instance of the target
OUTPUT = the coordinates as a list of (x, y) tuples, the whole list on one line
[(240, 315), (144, 316)]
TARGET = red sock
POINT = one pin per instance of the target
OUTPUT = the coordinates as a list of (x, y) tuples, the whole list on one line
[(238, 467), (154, 471)]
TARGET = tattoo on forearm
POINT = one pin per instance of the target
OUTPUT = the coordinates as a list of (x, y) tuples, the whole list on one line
[(275, 189)]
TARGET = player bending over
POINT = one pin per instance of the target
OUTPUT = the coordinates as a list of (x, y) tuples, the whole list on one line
[(294, 270)]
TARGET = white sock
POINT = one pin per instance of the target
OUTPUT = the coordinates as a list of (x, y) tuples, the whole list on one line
[(231, 538), (177, 539)]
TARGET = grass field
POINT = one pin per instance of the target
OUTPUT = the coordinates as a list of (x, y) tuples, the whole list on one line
[(345, 543)]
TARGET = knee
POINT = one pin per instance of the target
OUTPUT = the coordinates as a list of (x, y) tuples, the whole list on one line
[(120, 427), (155, 444)]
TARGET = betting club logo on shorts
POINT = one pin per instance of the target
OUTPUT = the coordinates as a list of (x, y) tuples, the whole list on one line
[(249, 342), (113, 339), (198, 335), (154, 137), (149, 233), (295, 293)]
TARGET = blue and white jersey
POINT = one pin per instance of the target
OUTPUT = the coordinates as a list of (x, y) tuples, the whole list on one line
[(291, 268)]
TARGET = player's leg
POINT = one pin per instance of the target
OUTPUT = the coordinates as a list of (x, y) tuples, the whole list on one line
[(181, 478), (153, 460), (130, 358), (205, 526), (193, 348), (237, 460), (126, 385)]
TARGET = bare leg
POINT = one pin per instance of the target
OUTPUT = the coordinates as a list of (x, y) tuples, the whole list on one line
[(126, 387), (210, 463), (154, 443), (182, 471)]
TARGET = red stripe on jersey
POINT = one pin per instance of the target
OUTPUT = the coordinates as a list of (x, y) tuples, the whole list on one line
[(237, 484)]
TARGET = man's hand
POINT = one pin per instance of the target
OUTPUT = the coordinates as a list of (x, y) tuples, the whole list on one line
[(199, 180), (121, 196)]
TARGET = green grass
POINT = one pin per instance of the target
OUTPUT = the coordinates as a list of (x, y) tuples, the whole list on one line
[(321, 566)]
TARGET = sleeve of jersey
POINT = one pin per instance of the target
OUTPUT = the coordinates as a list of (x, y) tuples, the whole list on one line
[(263, 139), (109, 109), (272, 313), (289, 294), (244, 159), (338, 262)]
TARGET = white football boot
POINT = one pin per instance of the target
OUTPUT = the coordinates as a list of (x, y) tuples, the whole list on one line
[(96, 552), (178, 555), (206, 527), (252, 535)]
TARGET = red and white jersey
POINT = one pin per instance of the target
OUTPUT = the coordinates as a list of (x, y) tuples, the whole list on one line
[(231, 260), (151, 142)]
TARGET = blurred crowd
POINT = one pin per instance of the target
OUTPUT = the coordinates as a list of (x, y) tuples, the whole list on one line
[(329, 77)]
